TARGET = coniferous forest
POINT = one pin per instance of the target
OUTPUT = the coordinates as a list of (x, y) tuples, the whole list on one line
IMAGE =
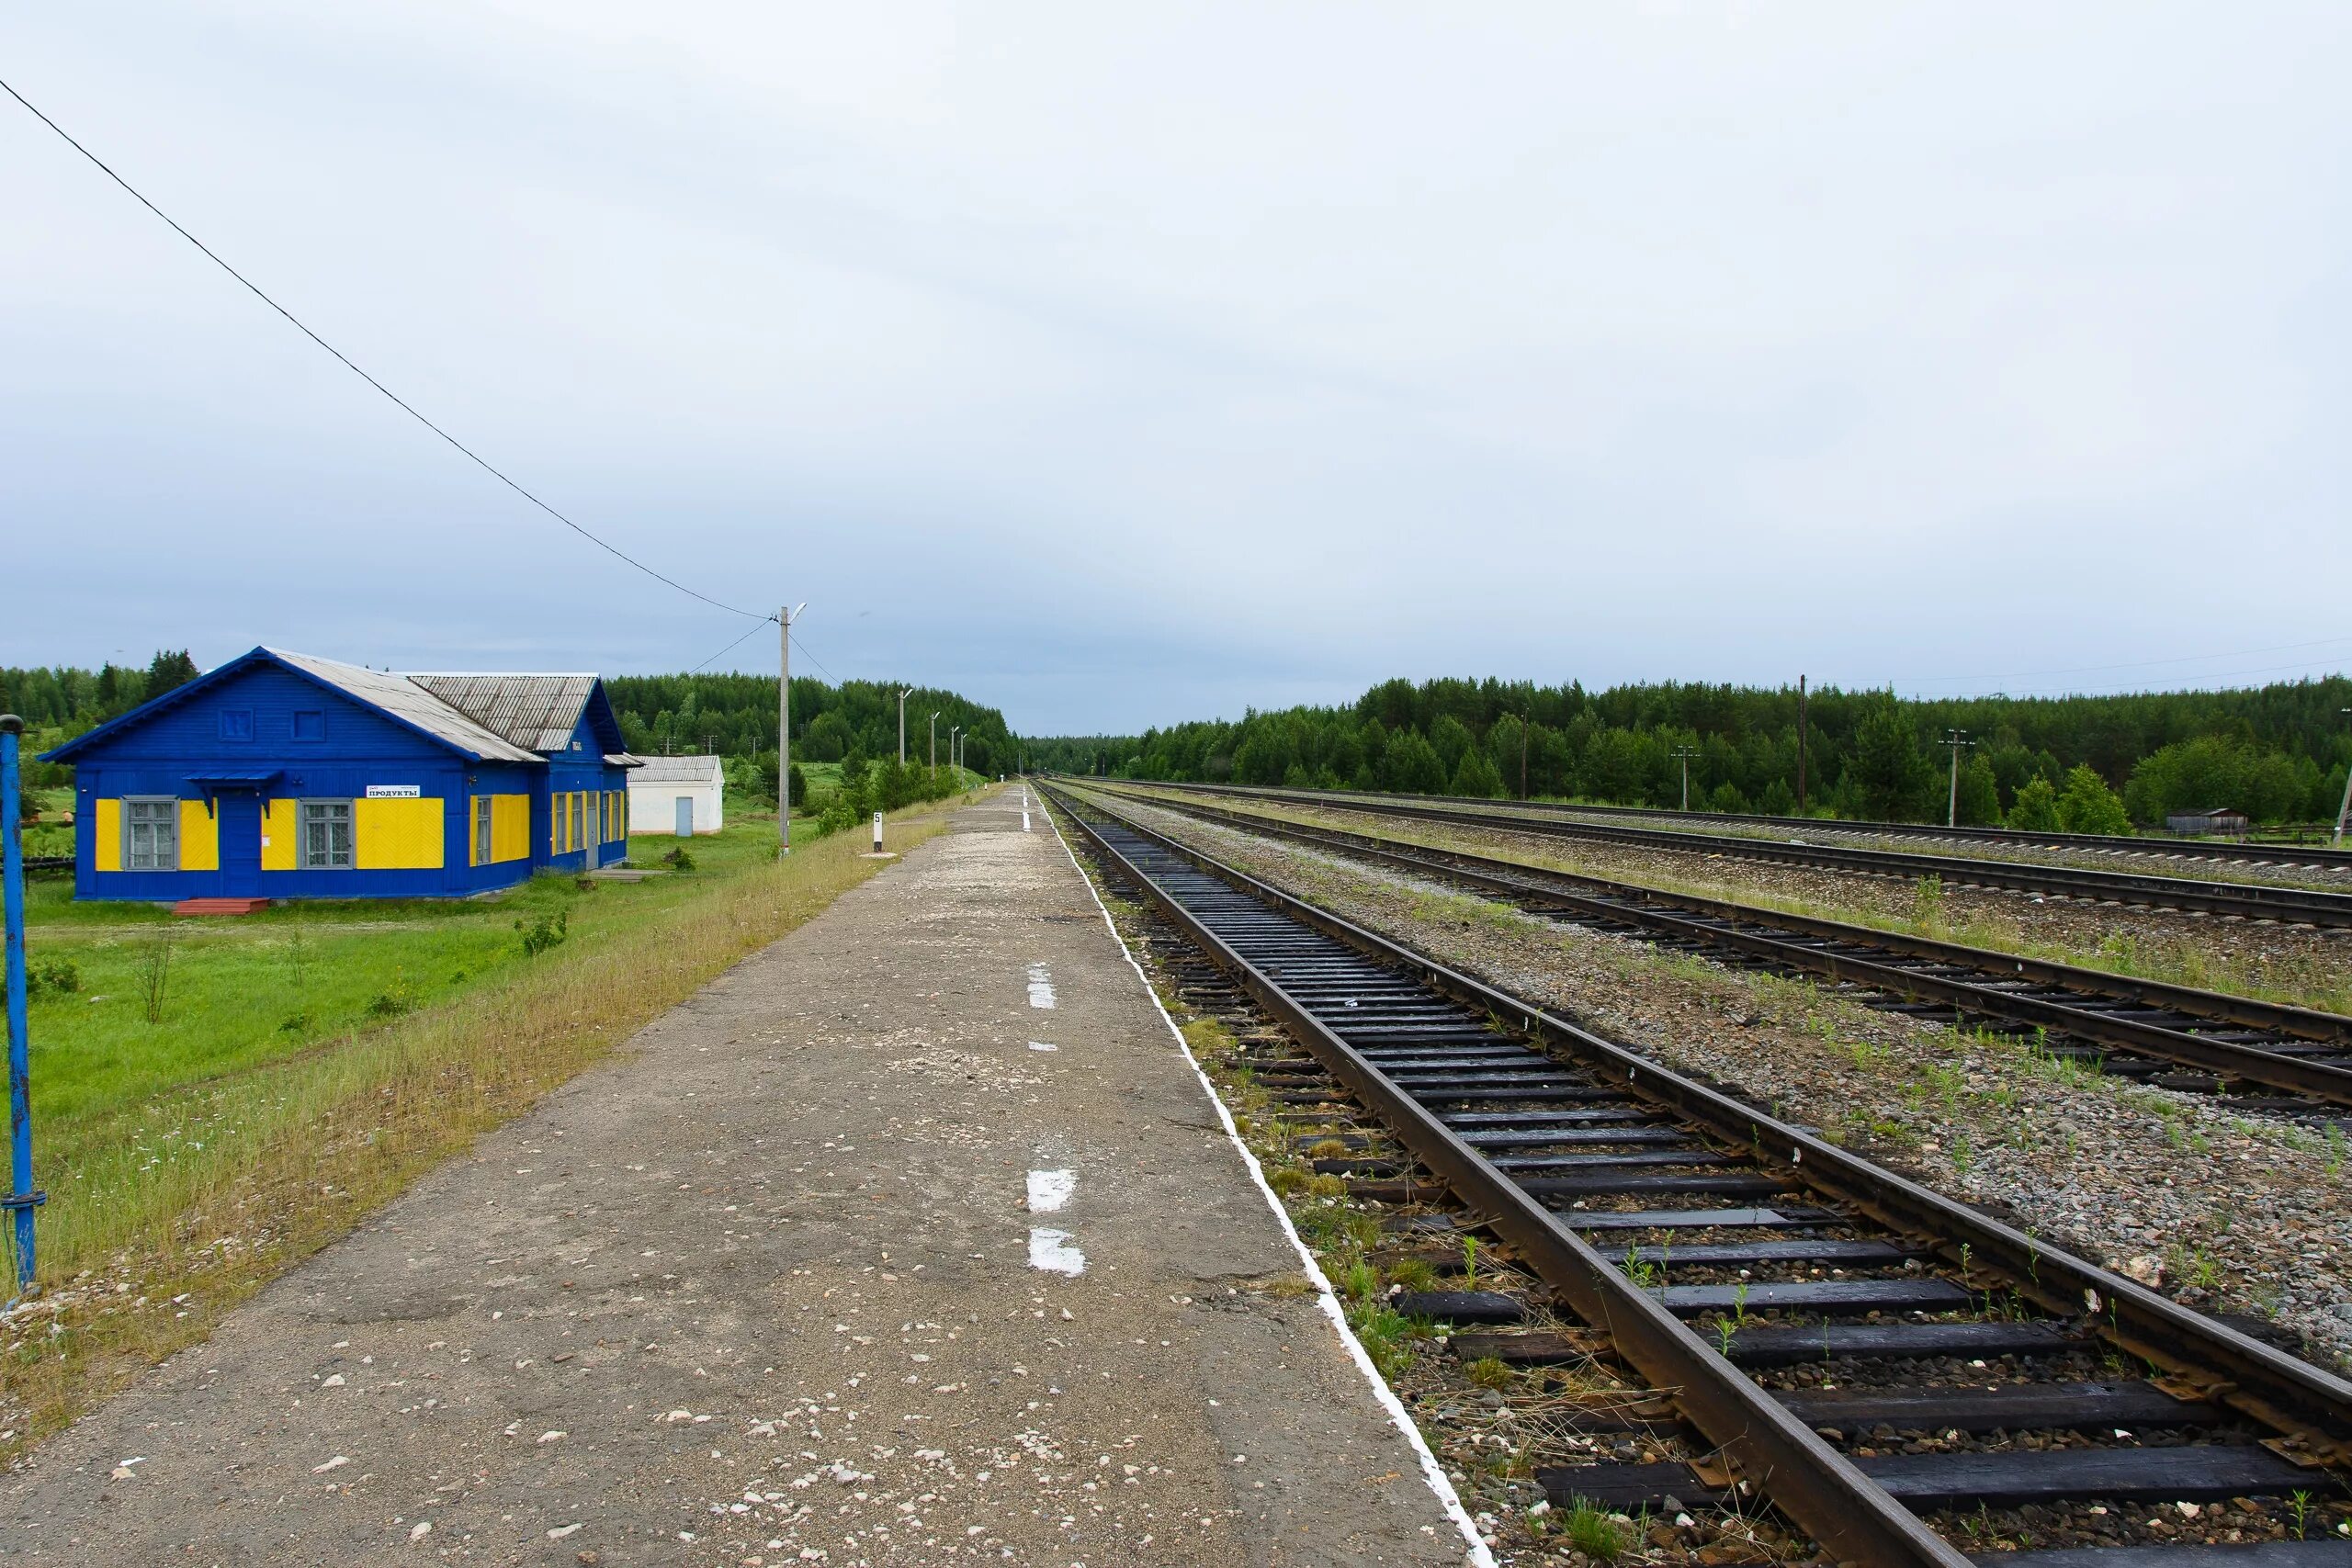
[(2081, 763)]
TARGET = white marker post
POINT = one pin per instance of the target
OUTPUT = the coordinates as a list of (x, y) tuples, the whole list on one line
[(877, 833)]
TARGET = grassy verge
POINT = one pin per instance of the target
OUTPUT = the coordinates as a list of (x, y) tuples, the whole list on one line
[(179, 1186)]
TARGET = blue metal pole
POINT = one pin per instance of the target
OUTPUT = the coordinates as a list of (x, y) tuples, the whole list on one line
[(22, 1199)]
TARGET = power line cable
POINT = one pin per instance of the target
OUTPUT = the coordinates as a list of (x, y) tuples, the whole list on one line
[(820, 663), (766, 620), (797, 642), (484, 463)]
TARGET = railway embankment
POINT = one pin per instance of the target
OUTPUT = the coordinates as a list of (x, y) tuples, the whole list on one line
[(2233, 1215), (2295, 965)]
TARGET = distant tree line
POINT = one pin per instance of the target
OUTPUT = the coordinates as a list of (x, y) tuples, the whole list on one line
[(2086, 764), (734, 716)]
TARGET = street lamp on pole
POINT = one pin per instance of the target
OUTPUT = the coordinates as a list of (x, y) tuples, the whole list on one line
[(934, 741), (902, 727), (952, 731), (784, 728)]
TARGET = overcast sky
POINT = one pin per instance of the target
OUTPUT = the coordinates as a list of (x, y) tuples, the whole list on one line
[(1120, 365)]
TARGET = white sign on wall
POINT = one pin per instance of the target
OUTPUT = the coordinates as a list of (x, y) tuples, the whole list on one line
[(394, 792)]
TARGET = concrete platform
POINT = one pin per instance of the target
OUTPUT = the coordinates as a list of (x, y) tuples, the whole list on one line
[(838, 1264)]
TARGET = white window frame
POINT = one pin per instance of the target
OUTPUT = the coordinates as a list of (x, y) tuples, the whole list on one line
[(303, 854), (157, 819), (483, 840)]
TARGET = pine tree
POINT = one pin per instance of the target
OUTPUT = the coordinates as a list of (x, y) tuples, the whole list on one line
[(1411, 766), (166, 671), (1477, 775), (1889, 770), (2035, 810), (2088, 806)]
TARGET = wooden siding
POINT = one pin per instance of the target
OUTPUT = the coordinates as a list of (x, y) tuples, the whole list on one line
[(199, 837), (106, 816), (239, 812), (397, 835), (280, 834)]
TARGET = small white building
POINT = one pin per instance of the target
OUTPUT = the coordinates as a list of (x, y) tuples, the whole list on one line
[(676, 795)]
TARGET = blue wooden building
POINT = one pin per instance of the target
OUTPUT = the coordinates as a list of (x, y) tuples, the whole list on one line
[(279, 775)]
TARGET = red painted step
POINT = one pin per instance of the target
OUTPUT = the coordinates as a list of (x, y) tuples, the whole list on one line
[(219, 906)]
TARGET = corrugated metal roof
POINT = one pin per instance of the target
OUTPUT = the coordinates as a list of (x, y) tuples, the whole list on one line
[(536, 711), (677, 770), (405, 698)]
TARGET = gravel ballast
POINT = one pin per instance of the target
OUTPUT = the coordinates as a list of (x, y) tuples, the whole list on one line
[(2296, 964), (2224, 1214)]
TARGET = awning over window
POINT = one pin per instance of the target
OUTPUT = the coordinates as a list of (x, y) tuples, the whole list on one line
[(217, 783)]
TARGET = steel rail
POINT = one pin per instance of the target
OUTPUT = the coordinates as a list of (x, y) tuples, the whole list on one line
[(1527, 884), (1819, 1488), (2282, 856), (2290, 1395), (2244, 900)]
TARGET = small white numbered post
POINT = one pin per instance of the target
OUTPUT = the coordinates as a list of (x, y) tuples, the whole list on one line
[(877, 833)]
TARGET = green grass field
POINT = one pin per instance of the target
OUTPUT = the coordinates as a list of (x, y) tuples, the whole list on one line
[(308, 1061), (239, 993)]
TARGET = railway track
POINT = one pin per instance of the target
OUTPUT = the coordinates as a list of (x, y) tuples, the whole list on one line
[(2173, 1035), (2238, 900), (2253, 856), (1893, 1371)]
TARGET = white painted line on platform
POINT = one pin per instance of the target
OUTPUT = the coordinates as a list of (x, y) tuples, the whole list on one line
[(1041, 987), (1052, 1251), (1050, 1189), (1041, 1045), (1476, 1555)]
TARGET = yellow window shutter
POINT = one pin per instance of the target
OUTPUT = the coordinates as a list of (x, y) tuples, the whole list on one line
[(278, 834), (106, 847), (199, 837)]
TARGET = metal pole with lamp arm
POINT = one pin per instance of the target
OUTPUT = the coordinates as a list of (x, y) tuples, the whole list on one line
[(21, 1197), (784, 731), (952, 731), (902, 727)]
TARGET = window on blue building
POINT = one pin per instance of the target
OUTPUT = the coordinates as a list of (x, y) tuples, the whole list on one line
[(236, 723), (326, 835), (310, 724), (152, 833)]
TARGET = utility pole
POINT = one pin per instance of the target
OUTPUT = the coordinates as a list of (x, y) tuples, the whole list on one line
[(2344, 810), (1800, 745), (1959, 741), (784, 728), (1686, 753), (902, 727), (952, 731), (934, 741)]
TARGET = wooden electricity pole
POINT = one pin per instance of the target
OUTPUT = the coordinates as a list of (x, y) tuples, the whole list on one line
[(1800, 745)]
